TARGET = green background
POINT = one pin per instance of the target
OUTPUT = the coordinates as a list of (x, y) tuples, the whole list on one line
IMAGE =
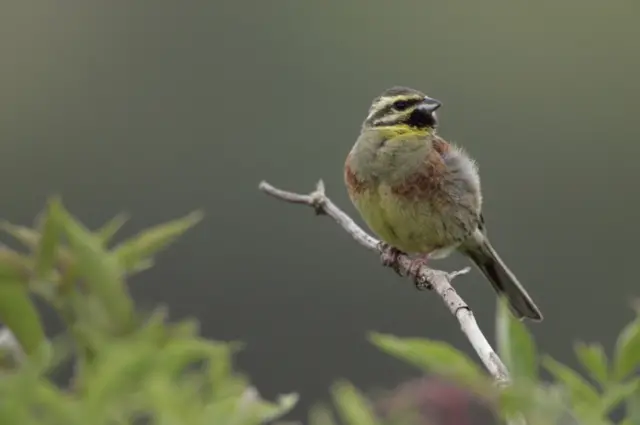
[(157, 108)]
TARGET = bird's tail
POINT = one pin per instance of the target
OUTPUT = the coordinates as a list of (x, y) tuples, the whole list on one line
[(480, 251)]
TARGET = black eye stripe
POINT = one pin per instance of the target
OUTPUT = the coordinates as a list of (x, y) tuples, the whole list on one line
[(388, 112), (404, 104)]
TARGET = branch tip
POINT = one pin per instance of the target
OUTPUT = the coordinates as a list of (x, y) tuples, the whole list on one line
[(454, 274)]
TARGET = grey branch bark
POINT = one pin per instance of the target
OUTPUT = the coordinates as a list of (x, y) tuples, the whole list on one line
[(439, 280)]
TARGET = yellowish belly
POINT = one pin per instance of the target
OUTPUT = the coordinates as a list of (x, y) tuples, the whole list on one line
[(411, 226)]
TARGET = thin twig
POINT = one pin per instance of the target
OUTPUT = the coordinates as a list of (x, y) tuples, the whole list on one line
[(439, 280)]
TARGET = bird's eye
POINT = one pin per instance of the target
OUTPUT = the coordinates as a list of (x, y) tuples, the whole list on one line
[(401, 105)]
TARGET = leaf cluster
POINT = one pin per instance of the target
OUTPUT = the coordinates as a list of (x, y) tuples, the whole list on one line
[(129, 367), (611, 382)]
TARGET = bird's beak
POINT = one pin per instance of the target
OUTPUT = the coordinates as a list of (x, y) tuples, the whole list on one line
[(429, 105)]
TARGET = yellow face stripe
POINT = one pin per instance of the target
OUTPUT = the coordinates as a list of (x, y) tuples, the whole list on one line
[(394, 99), (385, 101), (392, 131)]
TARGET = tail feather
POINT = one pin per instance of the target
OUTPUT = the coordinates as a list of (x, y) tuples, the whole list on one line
[(501, 278)]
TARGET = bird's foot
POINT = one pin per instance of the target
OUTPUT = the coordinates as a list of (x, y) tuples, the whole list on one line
[(389, 256), (414, 271)]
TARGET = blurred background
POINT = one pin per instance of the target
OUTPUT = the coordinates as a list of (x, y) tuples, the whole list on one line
[(156, 109)]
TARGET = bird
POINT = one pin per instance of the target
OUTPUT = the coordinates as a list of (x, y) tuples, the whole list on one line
[(421, 195)]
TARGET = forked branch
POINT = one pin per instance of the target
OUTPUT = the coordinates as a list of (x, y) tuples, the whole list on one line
[(438, 280)]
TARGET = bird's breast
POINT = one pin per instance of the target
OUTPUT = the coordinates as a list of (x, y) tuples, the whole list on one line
[(411, 225), (424, 206)]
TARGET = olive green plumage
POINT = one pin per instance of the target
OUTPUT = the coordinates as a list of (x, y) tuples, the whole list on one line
[(421, 194)]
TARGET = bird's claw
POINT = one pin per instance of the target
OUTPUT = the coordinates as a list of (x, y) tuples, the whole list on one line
[(414, 271), (389, 256)]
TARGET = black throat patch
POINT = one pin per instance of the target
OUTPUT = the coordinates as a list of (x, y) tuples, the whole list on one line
[(421, 119)]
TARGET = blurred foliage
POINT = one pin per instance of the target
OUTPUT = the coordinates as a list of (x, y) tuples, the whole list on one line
[(571, 398), (129, 366), (137, 367)]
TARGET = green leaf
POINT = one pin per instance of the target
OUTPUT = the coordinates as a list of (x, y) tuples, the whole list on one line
[(627, 351), (14, 266), (617, 394), (540, 403), (136, 249), (431, 356), (633, 407), (249, 408), (57, 405), (45, 252), (220, 369), (28, 237), (581, 391), (321, 415), (352, 406), (18, 313), (268, 411), (221, 411), (100, 269), (594, 360), (108, 231), (515, 345)]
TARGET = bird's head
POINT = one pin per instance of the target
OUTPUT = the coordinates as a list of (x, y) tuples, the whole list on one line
[(403, 110)]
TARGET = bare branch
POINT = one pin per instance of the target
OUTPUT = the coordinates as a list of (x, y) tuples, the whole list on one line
[(438, 280)]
